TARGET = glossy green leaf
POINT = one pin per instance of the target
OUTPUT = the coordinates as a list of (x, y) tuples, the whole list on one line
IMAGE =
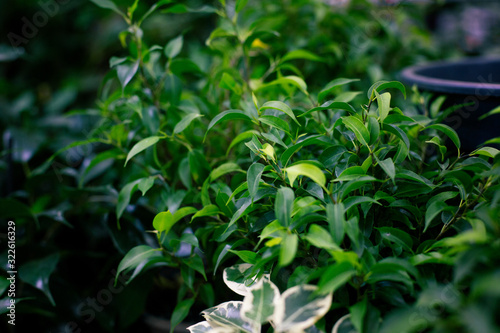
[(241, 137), (398, 132), (382, 85), (275, 122), (163, 221), (145, 184), (126, 72), (384, 105), (288, 249), (359, 129), (285, 81), (396, 236), (135, 257), (448, 131), (181, 125), (308, 170), (280, 106), (124, 197), (210, 210), (37, 273), (174, 47), (227, 115), (224, 169), (142, 145), (284, 205), (388, 166), (331, 105), (336, 221), (320, 238), (253, 178), (108, 4), (301, 54), (332, 85), (486, 151)]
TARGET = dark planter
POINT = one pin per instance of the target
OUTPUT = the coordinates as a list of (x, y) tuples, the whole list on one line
[(476, 81)]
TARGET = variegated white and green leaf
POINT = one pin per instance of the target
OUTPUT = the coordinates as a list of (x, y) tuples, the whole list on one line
[(228, 315), (259, 303)]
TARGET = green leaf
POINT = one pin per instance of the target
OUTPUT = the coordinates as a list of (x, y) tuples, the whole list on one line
[(331, 105), (359, 129), (229, 83), (490, 113), (486, 151), (126, 72), (332, 85), (449, 132), (226, 115), (196, 263), (174, 47), (320, 238), (301, 54), (124, 197), (275, 122), (384, 105), (37, 273), (253, 178), (4, 284), (300, 307), (288, 249), (241, 137), (336, 221), (135, 257), (259, 304), (210, 210), (373, 128), (308, 170), (141, 145), (398, 132), (145, 184), (249, 257), (108, 4), (223, 169), (284, 205), (358, 312), (181, 125), (396, 236), (382, 85), (228, 315), (181, 311), (240, 4), (336, 276), (355, 184), (280, 106), (287, 80), (434, 210), (388, 166), (163, 221)]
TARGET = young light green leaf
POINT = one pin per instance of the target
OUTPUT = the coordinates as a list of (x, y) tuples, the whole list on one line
[(384, 105), (381, 85), (174, 47), (253, 178), (320, 238), (359, 129), (226, 115), (490, 113), (259, 304), (308, 170), (287, 80), (332, 85), (300, 307), (141, 145), (288, 249), (280, 106), (181, 125), (284, 205), (301, 54), (486, 151), (224, 169), (37, 273), (163, 221), (134, 257), (210, 210)]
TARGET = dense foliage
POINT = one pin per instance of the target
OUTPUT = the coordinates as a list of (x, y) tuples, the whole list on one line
[(237, 158)]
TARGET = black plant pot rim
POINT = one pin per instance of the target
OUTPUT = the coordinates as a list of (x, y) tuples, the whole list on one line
[(414, 75)]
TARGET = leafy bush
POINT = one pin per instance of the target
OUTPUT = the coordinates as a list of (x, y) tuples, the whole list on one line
[(243, 157)]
